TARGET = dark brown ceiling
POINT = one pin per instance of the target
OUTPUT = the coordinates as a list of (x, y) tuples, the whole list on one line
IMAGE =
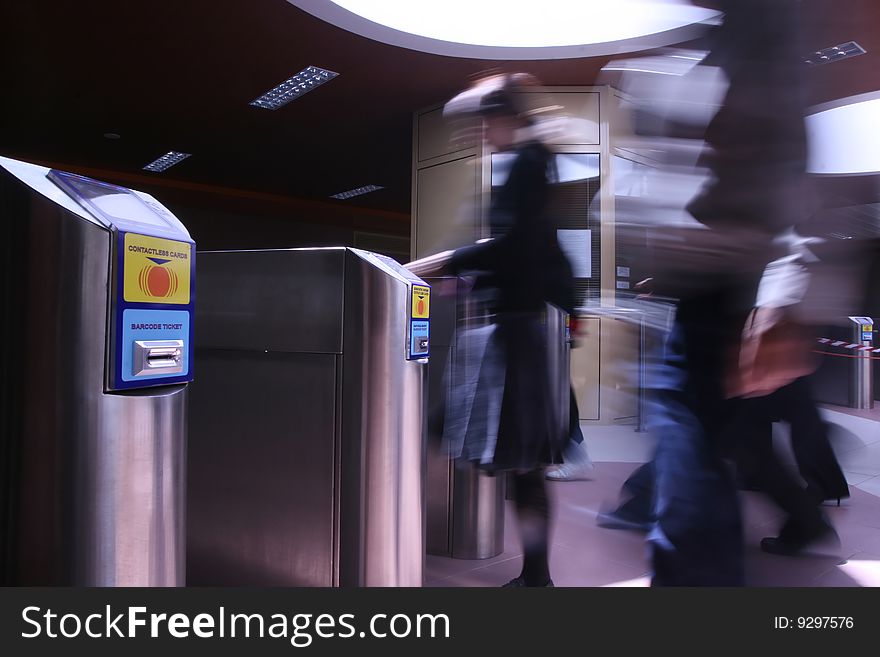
[(179, 76)]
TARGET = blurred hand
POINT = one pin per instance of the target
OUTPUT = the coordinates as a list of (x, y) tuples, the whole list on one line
[(576, 331), (645, 288), (432, 265), (444, 286)]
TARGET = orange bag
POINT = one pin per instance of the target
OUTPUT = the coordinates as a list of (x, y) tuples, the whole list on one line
[(774, 351)]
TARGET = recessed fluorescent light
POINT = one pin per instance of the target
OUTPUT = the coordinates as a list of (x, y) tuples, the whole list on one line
[(168, 160), (356, 192), (834, 53), (294, 87)]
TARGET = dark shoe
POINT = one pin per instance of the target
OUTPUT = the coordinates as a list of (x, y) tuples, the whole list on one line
[(821, 497), (619, 520), (793, 540), (519, 581)]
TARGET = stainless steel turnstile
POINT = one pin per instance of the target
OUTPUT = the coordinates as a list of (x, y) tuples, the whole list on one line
[(306, 455), (97, 292), (465, 506), (845, 374), (862, 375)]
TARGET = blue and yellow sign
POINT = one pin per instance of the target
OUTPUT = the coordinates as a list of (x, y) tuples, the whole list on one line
[(153, 306)]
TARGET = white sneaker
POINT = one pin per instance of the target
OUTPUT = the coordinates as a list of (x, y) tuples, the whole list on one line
[(577, 467)]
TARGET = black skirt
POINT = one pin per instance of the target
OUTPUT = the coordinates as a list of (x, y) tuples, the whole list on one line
[(502, 412), (529, 430)]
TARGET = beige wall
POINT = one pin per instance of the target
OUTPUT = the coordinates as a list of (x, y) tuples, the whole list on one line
[(447, 180), (604, 370)]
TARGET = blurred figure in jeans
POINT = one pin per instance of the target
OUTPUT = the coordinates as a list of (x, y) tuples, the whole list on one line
[(752, 157)]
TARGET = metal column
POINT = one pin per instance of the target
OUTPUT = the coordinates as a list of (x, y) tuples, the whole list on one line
[(861, 374)]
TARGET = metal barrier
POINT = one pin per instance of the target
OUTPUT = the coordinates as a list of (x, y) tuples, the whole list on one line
[(862, 375), (845, 374), (465, 506), (306, 457)]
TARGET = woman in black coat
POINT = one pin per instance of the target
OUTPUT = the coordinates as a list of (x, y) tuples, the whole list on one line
[(527, 270)]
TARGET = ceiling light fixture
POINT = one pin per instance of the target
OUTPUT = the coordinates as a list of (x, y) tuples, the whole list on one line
[(842, 136), (366, 189), (504, 30), (168, 160), (835, 53), (294, 87)]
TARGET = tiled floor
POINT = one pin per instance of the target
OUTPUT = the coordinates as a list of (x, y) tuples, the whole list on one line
[(583, 554)]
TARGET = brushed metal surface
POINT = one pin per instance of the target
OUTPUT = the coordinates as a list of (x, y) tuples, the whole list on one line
[(559, 358), (438, 473), (862, 375), (157, 357), (465, 506), (130, 488), (95, 482), (306, 458), (438, 501), (863, 381), (261, 469), (382, 476), (280, 300), (477, 513)]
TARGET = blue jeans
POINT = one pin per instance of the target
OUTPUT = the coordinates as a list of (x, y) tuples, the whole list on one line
[(697, 536)]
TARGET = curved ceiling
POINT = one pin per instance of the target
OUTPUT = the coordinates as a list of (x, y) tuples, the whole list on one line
[(181, 76)]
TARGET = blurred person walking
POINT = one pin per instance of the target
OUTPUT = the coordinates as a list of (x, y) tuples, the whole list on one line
[(773, 384), (754, 156), (526, 268)]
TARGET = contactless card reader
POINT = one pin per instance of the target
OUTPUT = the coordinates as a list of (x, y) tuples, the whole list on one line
[(418, 319), (152, 291)]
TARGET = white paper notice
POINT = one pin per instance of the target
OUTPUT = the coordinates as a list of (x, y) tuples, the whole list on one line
[(576, 245)]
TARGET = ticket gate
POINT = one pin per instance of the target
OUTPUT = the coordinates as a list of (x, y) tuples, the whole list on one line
[(98, 285), (306, 452), (465, 506), (845, 374)]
